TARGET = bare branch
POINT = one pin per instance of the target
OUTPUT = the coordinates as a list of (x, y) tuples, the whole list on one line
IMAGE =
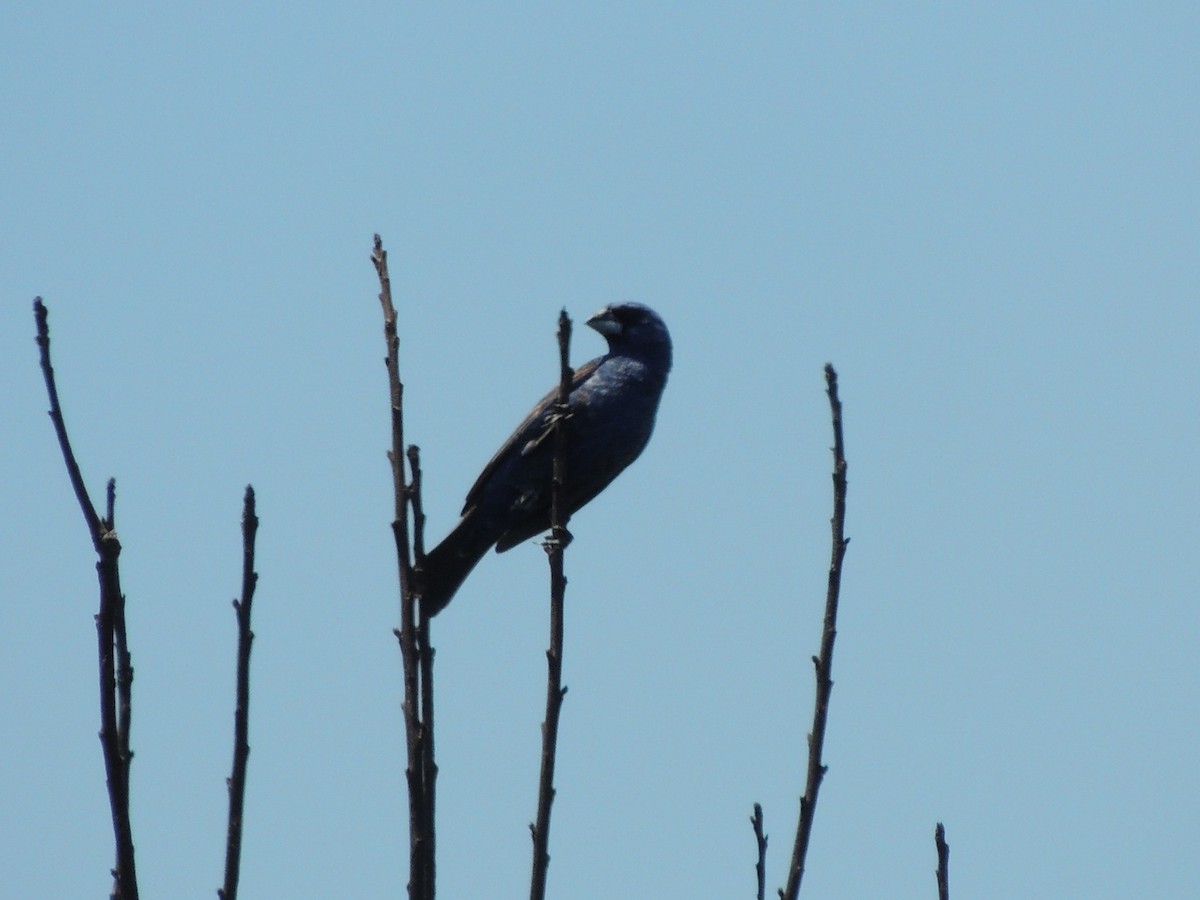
[(124, 662), (414, 648), (943, 868), (241, 716), (95, 529), (116, 669), (760, 839), (425, 652), (823, 663), (555, 545), (418, 510)]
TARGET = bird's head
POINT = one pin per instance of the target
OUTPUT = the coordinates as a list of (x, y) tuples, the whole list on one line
[(633, 328)]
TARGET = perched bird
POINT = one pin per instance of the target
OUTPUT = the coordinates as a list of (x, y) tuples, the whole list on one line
[(613, 403)]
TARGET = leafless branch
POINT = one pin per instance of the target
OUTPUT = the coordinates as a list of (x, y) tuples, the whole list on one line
[(241, 716), (943, 868), (555, 545), (116, 669), (823, 662), (425, 653), (415, 651), (760, 839), (124, 662)]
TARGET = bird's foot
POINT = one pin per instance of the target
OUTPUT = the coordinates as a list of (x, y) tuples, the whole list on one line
[(557, 539)]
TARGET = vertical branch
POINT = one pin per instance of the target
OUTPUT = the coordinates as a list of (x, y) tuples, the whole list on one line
[(396, 389), (116, 682), (943, 868), (115, 667), (425, 652), (760, 839), (418, 509), (412, 647), (823, 663), (555, 545), (124, 671), (241, 716)]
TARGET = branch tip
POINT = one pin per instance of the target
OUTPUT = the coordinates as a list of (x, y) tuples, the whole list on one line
[(943, 868), (823, 661)]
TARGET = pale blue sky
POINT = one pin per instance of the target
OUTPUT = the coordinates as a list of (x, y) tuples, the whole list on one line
[(985, 215)]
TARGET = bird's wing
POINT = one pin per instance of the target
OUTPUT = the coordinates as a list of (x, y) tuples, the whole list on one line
[(532, 431)]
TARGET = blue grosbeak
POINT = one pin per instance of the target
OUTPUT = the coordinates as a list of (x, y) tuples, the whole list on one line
[(613, 403)]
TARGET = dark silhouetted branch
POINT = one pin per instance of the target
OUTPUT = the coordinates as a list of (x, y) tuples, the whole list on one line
[(116, 669), (124, 663), (823, 662), (760, 839), (415, 651), (241, 716), (943, 868), (95, 527), (555, 545), (418, 509), (425, 652)]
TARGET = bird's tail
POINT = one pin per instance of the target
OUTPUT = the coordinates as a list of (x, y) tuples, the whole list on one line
[(448, 564)]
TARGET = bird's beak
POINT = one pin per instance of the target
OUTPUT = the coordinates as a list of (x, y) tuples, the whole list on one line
[(605, 323)]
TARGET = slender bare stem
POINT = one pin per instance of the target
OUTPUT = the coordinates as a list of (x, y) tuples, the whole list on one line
[(412, 645), (124, 662), (41, 314), (943, 868), (115, 666), (555, 545), (241, 716), (418, 509), (425, 651), (760, 839), (823, 663)]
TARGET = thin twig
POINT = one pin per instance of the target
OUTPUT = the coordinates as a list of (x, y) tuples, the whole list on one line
[(555, 545), (823, 663), (760, 839), (95, 529), (943, 868), (124, 662), (241, 716), (116, 669), (420, 821)]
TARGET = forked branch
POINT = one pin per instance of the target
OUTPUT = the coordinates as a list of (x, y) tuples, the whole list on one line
[(116, 668), (413, 634)]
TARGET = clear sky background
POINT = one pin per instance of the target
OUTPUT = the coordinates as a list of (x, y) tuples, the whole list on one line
[(985, 215)]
